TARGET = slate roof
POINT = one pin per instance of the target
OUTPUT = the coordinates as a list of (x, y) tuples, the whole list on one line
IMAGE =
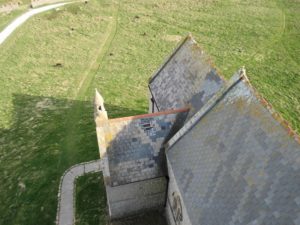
[(235, 163), (134, 145), (186, 78)]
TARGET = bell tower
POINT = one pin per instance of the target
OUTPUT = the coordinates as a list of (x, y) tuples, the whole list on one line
[(100, 114)]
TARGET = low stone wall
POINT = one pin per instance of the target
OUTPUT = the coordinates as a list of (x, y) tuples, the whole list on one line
[(66, 199), (7, 8), (129, 199)]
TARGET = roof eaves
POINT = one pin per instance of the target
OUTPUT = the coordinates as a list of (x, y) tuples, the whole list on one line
[(284, 123), (153, 99)]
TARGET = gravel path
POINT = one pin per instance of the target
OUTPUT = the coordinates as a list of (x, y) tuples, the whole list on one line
[(7, 31), (66, 198)]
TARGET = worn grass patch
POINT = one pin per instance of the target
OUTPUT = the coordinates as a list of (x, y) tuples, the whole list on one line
[(5, 19), (8, 1), (50, 66)]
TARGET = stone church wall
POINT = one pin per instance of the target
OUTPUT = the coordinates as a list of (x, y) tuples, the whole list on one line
[(129, 199), (175, 209)]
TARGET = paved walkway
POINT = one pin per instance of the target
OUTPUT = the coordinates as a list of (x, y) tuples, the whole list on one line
[(21, 19), (66, 198)]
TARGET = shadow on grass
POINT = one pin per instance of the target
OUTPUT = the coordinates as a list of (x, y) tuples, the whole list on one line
[(91, 205), (48, 136)]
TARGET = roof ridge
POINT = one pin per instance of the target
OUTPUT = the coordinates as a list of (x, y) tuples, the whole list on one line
[(172, 111), (207, 107)]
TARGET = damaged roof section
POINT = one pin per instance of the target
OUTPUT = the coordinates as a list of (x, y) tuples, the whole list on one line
[(235, 162), (134, 145), (186, 78)]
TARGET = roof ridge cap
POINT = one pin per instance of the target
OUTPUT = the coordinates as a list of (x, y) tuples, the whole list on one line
[(148, 115), (241, 74), (268, 106)]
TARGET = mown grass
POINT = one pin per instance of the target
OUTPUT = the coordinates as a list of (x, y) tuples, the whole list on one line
[(90, 202), (45, 126), (51, 65)]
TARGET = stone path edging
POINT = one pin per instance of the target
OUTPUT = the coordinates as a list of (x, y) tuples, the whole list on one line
[(66, 199)]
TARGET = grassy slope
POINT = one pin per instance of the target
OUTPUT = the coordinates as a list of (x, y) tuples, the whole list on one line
[(46, 119), (41, 109)]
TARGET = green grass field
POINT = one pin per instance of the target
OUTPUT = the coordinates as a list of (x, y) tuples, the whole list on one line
[(90, 202), (50, 66)]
